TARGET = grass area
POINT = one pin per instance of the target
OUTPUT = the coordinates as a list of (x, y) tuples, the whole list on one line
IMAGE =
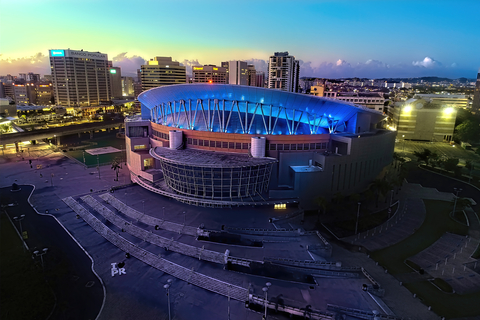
[(437, 222), (23, 290)]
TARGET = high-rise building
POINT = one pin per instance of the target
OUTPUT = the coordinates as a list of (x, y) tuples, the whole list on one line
[(80, 78), (251, 75), (476, 95), (162, 71), (127, 87), (260, 79), (115, 82), (44, 93), (283, 72), (209, 74), (237, 72)]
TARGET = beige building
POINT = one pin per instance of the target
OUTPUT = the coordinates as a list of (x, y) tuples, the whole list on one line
[(162, 71), (283, 72), (209, 74), (251, 75), (418, 119), (373, 101), (80, 78)]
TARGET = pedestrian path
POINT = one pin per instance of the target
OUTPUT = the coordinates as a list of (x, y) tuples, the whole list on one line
[(147, 219)]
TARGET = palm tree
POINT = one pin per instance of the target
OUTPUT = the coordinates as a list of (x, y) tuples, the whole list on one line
[(116, 167)]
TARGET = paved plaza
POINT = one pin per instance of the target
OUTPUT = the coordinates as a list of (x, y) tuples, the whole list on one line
[(138, 291)]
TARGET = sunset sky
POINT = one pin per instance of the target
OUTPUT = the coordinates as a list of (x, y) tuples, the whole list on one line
[(342, 38)]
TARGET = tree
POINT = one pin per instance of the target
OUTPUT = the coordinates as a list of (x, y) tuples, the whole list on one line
[(426, 155), (450, 164), (116, 167), (468, 131)]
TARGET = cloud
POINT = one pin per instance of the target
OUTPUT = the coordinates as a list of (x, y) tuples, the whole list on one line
[(427, 63), (128, 65), (37, 63), (189, 64), (260, 64)]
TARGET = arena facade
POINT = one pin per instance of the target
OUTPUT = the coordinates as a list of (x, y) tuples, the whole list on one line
[(227, 145)]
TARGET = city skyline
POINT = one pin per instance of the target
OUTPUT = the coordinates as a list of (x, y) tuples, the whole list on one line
[(331, 39)]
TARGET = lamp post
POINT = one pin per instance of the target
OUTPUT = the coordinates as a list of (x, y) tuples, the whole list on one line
[(228, 306), (457, 191), (83, 151), (184, 218), (143, 204), (98, 167), (38, 253), (265, 289), (358, 214), (19, 219), (403, 149), (163, 208), (167, 289)]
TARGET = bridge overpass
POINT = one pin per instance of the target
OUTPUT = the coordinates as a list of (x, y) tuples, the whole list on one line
[(57, 132)]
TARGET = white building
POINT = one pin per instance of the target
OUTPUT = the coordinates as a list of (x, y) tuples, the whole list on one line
[(80, 78), (238, 72), (283, 72)]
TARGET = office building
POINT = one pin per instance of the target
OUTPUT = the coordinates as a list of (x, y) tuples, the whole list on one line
[(476, 95), (371, 100), (283, 72), (115, 74), (127, 87), (251, 76), (161, 71), (44, 93), (80, 78), (209, 74), (226, 145), (418, 119), (260, 79), (237, 72)]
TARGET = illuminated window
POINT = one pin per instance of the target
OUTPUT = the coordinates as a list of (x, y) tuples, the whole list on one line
[(139, 147), (281, 206)]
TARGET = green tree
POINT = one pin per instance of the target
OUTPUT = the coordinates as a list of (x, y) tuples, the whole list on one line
[(450, 164), (116, 167), (426, 155), (469, 131)]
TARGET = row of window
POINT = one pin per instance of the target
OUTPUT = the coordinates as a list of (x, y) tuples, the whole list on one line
[(245, 146)]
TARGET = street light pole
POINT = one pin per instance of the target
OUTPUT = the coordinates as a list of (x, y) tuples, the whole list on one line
[(19, 219), (457, 190), (265, 289), (98, 167), (228, 308), (143, 204), (184, 218), (167, 289), (358, 214), (38, 253), (163, 208), (403, 150)]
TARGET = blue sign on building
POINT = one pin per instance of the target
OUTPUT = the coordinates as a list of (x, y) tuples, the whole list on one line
[(58, 53)]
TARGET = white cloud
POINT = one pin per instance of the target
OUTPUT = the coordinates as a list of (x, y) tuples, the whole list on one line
[(128, 65), (427, 62), (189, 64), (37, 63)]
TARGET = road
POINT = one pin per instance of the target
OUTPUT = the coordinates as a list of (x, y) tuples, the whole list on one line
[(79, 292)]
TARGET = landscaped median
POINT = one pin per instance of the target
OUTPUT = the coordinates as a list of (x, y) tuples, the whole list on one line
[(23, 290), (438, 295)]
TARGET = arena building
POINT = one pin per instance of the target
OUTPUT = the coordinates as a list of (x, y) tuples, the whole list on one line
[(228, 145)]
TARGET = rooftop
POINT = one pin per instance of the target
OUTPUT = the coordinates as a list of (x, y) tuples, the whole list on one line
[(209, 159)]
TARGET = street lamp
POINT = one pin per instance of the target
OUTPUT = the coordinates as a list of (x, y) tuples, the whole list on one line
[(19, 219), (403, 150), (166, 287), (457, 191), (265, 289), (98, 167), (163, 208), (83, 157), (143, 203), (358, 214), (184, 218), (38, 253)]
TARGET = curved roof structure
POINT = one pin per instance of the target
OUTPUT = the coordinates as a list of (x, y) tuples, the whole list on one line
[(249, 110)]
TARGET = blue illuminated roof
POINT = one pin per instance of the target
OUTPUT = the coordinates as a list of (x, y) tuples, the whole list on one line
[(189, 105)]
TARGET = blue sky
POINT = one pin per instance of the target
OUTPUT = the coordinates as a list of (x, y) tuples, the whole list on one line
[(343, 38)]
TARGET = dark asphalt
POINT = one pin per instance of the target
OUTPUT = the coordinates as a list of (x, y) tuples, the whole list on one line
[(441, 183), (79, 292)]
